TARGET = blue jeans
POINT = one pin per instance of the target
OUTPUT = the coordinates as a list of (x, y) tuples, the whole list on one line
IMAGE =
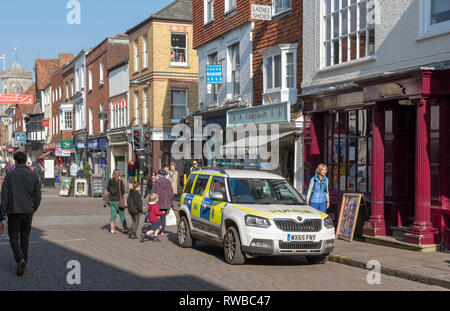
[(319, 206)]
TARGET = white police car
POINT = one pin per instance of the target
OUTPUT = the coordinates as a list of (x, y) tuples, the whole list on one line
[(250, 214)]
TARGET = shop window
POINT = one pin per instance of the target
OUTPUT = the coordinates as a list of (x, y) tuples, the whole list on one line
[(348, 35), (346, 150), (179, 49), (435, 151)]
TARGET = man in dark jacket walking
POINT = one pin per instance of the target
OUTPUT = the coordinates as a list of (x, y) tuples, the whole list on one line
[(163, 188), (21, 197), (134, 203)]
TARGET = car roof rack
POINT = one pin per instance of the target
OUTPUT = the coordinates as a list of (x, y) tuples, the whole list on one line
[(217, 169)]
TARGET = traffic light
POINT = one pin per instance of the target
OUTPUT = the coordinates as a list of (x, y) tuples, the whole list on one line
[(137, 138), (147, 138)]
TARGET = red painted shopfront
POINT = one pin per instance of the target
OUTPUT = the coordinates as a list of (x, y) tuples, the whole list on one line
[(389, 138)]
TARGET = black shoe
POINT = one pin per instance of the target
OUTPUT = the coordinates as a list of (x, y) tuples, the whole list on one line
[(21, 267), (134, 237)]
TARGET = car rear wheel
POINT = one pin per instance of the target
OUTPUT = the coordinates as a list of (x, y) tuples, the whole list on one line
[(185, 239), (317, 260), (232, 247)]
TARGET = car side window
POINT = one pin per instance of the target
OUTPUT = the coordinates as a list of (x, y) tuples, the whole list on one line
[(218, 185), (200, 185), (190, 182)]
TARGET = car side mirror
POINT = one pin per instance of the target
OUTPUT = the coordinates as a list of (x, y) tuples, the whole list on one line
[(216, 196)]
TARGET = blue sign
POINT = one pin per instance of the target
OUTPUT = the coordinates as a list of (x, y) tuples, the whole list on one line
[(21, 138), (214, 74), (93, 144)]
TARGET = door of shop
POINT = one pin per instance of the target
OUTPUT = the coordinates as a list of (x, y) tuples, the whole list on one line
[(400, 134)]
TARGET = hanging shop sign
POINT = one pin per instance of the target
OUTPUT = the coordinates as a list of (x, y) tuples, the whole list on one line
[(214, 74)]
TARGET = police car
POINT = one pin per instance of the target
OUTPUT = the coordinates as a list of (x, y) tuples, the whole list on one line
[(251, 214)]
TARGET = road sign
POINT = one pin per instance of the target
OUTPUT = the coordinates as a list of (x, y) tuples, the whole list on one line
[(66, 144), (214, 74), (45, 123), (16, 99), (261, 12)]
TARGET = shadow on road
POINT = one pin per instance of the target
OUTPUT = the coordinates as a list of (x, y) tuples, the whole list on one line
[(47, 270)]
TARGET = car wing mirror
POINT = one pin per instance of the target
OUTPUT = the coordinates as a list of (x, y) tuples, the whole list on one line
[(217, 196)]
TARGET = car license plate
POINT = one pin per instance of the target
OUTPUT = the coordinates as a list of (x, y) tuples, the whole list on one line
[(300, 237)]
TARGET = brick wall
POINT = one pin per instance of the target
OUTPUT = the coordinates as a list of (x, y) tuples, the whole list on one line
[(222, 23), (286, 28), (110, 52)]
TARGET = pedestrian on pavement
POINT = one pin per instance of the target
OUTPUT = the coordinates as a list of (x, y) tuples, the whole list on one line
[(21, 197), (318, 196), (163, 188), (2, 221), (74, 168), (154, 216), (11, 167), (150, 182), (173, 173), (116, 189), (134, 203), (194, 166), (39, 171)]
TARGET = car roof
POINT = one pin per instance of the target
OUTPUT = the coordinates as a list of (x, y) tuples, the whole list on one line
[(243, 173)]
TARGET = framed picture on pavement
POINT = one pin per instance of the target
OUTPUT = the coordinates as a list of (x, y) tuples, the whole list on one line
[(348, 216), (64, 190), (81, 188)]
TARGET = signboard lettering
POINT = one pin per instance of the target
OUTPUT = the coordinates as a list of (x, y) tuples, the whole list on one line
[(261, 12), (16, 99)]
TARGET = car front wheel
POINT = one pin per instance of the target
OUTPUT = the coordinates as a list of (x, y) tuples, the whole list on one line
[(185, 239), (232, 247)]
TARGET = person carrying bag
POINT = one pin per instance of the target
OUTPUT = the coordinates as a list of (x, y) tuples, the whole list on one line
[(117, 201)]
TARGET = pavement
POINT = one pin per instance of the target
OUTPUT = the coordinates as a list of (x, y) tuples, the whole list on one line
[(69, 229), (426, 268)]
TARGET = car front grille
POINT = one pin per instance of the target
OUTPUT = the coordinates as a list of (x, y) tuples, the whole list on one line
[(290, 225), (300, 245)]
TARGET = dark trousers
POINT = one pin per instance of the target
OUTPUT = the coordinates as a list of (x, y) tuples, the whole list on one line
[(19, 228), (135, 224), (163, 219)]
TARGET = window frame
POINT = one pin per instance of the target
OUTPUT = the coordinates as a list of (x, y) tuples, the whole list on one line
[(65, 120), (183, 64), (233, 68), (136, 55), (101, 75), (283, 10), (213, 89), (208, 19), (172, 120), (229, 6), (326, 43), (145, 48), (90, 79), (425, 27)]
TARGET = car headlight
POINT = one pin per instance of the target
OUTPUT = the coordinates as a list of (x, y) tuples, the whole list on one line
[(256, 221), (328, 223)]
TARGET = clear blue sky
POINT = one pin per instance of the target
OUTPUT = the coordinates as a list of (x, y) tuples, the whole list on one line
[(40, 28)]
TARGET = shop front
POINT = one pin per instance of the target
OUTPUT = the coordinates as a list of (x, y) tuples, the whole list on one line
[(98, 154), (119, 152), (389, 140), (278, 133)]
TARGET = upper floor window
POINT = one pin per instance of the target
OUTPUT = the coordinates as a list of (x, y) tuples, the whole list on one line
[(136, 56), (347, 34), (72, 86), (280, 6), (179, 104), (90, 79), (435, 16), (102, 77), (213, 88), (67, 90), (235, 63), (230, 5), (146, 104), (209, 11), (179, 48), (145, 52), (66, 120)]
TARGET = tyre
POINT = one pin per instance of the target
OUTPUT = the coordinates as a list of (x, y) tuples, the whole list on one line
[(185, 239), (232, 247), (317, 260)]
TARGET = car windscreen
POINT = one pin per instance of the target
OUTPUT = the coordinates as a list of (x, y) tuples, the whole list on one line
[(263, 191)]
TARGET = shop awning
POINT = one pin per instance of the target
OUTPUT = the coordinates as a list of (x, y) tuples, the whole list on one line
[(46, 154), (253, 143)]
